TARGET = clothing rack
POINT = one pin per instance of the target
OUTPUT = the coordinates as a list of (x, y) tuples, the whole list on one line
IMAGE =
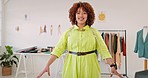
[(124, 31)]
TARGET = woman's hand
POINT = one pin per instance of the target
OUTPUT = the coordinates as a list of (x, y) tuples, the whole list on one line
[(46, 69), (114, 72)]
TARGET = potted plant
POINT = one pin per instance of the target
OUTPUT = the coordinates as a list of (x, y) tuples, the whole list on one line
[(7, 59)]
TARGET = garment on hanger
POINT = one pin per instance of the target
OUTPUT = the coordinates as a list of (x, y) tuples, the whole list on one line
[(118, 53), (107, 40), (114, 44), (141, 46), (110, 44), (123, 46), (103, 35)]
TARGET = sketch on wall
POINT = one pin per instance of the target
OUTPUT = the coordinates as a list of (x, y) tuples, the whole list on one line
[(101, 16)]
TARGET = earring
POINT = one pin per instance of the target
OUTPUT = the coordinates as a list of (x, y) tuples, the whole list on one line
[(86, 22), (75, 22)]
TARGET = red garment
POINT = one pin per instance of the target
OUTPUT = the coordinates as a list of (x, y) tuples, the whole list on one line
[(123, 46), (107, 40)]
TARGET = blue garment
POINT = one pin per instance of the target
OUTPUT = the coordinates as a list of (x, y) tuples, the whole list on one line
[(141, 46)]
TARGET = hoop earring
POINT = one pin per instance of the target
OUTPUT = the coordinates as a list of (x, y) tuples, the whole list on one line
[(86, 22), (75, 22)]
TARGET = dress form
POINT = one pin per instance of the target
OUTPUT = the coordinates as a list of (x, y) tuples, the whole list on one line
[(145, 31)]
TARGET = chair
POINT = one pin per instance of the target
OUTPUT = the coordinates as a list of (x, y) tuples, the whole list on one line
[(141, 74)]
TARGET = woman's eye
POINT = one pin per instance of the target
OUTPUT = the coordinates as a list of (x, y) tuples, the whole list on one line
[(78, 13), (84, 13)]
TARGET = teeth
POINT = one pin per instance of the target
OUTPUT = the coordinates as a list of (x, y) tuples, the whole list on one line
[(81, 18)]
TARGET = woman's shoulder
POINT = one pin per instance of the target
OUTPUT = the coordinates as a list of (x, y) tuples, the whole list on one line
[(95, 30), (67, 30)]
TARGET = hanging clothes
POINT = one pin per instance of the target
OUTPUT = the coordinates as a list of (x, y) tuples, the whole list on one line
[(115, 47), (123, 46), (107, 40), (141, 46), (112, 44), (103, 35), (118, 53), (115, 43)]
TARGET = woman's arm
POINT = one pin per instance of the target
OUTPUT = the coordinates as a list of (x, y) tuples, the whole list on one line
[(47, 69), (109, 61), (51, 60), (113, 67)]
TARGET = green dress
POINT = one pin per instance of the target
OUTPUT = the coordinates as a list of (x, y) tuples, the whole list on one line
[(76, 40)]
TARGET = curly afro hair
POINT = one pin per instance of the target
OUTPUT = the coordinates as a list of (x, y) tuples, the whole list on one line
[(86, 7)]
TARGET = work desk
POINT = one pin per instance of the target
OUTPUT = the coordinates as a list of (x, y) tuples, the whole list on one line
[(23, 62)]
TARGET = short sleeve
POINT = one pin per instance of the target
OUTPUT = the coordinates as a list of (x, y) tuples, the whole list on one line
[(61, 45)]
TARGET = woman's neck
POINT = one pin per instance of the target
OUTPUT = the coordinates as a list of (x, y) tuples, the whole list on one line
[(81, 26)]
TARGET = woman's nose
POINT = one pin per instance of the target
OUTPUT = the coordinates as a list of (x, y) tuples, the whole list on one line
[(81, 14)]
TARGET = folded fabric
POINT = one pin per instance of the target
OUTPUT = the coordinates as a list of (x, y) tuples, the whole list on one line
[(28, 50)]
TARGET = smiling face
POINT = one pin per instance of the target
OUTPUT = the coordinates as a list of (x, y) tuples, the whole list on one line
[(81, 17)]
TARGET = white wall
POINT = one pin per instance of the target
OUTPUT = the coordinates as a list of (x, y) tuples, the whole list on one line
[(0, 19), (120, 14)]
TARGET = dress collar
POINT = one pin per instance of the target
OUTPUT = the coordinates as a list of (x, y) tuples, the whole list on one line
[(84, 28)]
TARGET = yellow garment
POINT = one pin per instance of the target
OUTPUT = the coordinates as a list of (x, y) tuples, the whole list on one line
[(76, 40)]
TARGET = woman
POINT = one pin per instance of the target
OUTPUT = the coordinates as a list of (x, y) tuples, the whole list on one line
[(82, 42)]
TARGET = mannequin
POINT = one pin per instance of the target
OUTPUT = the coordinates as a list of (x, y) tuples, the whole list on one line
[(145, 32)]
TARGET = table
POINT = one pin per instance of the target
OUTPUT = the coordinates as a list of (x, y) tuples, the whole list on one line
[(22, 57)]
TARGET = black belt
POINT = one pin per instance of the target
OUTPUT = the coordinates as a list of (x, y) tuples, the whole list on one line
[(82, 53)]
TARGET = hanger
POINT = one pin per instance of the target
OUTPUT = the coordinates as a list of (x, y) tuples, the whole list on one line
[(145, 26)]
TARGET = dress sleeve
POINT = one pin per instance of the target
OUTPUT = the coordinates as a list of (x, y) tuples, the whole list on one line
[(101, 46), (61, 45)]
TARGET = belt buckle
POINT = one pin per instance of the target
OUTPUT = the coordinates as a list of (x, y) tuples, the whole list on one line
[(78, 53)]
